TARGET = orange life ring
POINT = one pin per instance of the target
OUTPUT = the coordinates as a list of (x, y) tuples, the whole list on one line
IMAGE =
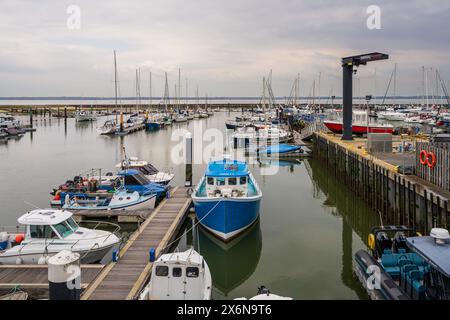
[(423, 157), (431, 163)]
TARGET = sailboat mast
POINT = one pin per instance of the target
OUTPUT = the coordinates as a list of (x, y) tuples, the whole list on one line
[(423, 85), (150, 87), (179, 88), (264, 100), (395, 83), (166, 94), (115, 79)]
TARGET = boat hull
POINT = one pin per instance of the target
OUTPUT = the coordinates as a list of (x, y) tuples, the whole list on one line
[(148, 203), (88, 256), (152, 126), (226, 217), (337, 127)]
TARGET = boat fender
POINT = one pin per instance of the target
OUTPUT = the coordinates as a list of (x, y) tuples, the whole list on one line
[(19, 260), (19, 238), (42, 260), (152, 254), (371, 241), (115, 255)]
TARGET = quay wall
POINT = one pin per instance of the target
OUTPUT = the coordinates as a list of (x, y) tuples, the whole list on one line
[(398, 198)]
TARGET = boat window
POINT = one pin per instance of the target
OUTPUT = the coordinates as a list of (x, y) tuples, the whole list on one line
[(131, 180), (232, 181), (63, 229), (220, 181), (243, 180), (142, 178), (42, 232), (176, 272), (162, 271), (72, 224), (192, 272), (210, 181)]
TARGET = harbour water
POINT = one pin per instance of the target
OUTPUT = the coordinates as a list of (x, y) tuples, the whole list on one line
[(309, 228)]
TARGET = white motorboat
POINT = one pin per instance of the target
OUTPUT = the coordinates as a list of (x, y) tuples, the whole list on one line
[(264, 294), (85, 116), (47, 232), (150, 172), (8, 121), (414, 119), (392, 115), (179, 276), (121, 200), (262, 135), (109, 127), (181, 118)]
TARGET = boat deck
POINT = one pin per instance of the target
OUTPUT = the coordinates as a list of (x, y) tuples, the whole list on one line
[(34, 278), (124, 279), (121, 215)]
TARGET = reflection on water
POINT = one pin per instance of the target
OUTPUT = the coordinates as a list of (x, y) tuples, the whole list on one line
[(230, 263)]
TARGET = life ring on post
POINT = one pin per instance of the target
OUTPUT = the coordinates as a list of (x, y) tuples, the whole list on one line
[(423, 157), (431, 160)]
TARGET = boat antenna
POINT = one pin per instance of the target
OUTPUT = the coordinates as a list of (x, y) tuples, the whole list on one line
[(32, 205), (381, 218)]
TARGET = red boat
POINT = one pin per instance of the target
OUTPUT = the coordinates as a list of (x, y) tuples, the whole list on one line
[(358, 128), (359, 125)]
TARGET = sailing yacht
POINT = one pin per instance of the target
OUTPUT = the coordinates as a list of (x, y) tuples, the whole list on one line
[(110, 126)]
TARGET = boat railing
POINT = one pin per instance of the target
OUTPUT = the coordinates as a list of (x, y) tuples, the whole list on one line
[(258, 189), (99, 223)]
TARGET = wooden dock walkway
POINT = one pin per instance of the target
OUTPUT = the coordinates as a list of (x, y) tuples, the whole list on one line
[(34, 278), (124, 279)]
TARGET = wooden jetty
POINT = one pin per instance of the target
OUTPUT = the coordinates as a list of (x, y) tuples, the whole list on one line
[(124, 279), (34, 278)]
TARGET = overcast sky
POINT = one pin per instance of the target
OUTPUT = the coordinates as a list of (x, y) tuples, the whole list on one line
[(225, 47)]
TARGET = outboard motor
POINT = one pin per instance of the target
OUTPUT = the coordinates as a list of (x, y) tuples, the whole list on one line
[(383, 242), (263, 290), (400, 242)]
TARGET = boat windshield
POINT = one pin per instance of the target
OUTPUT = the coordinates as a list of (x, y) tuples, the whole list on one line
[(136, 179), (72, 224), (148, 169), (63, 229)]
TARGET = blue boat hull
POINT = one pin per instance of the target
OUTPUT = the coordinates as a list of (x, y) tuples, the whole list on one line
[(228, 217), (152, 126)]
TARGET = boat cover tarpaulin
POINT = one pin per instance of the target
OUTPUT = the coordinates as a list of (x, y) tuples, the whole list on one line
[(227, 168), (281, 148), (436, 255)]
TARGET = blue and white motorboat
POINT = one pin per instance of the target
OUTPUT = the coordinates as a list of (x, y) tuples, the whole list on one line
[(284, 150), (135, 180), (149, 171), (121, 200), (227, 198)]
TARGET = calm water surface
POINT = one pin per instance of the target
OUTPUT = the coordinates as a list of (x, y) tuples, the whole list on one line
[(302, 246)]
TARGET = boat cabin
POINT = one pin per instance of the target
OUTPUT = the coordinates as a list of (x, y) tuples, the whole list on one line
[(48, 224), (434, 282), (227, 178), (179, 276)]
